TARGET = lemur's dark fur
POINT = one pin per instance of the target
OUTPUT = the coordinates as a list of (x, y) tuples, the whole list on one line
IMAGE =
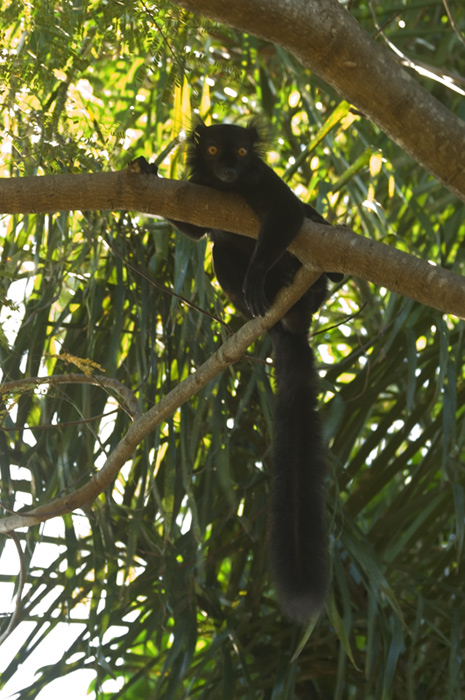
[(228, 157)]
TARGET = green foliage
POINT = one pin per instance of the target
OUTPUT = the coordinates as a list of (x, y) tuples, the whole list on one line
[(168, 568)]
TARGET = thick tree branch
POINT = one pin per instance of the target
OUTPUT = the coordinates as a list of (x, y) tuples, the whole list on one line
[(325, 38), (330, 248)]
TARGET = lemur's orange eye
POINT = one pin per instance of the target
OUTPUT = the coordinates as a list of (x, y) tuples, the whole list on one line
[(242, 151), (212, 150)]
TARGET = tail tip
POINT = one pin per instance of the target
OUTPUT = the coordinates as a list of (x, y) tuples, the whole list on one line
[(301, 607)]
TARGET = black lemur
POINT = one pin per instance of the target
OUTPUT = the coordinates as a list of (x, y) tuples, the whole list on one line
[(228, 157)]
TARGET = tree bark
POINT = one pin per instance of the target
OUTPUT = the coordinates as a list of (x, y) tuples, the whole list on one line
[(321, 247), (325, 38)]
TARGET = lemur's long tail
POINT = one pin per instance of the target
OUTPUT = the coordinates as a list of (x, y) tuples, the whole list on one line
[(297, 531)]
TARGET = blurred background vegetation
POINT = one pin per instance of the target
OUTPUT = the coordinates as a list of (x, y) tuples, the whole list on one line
[(160, 588)]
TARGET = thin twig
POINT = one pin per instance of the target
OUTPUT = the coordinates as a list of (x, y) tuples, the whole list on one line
[(452, 21), (127, 401), (19, 594)]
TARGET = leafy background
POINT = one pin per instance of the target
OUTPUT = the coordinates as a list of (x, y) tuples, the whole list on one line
[(164, 578)]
